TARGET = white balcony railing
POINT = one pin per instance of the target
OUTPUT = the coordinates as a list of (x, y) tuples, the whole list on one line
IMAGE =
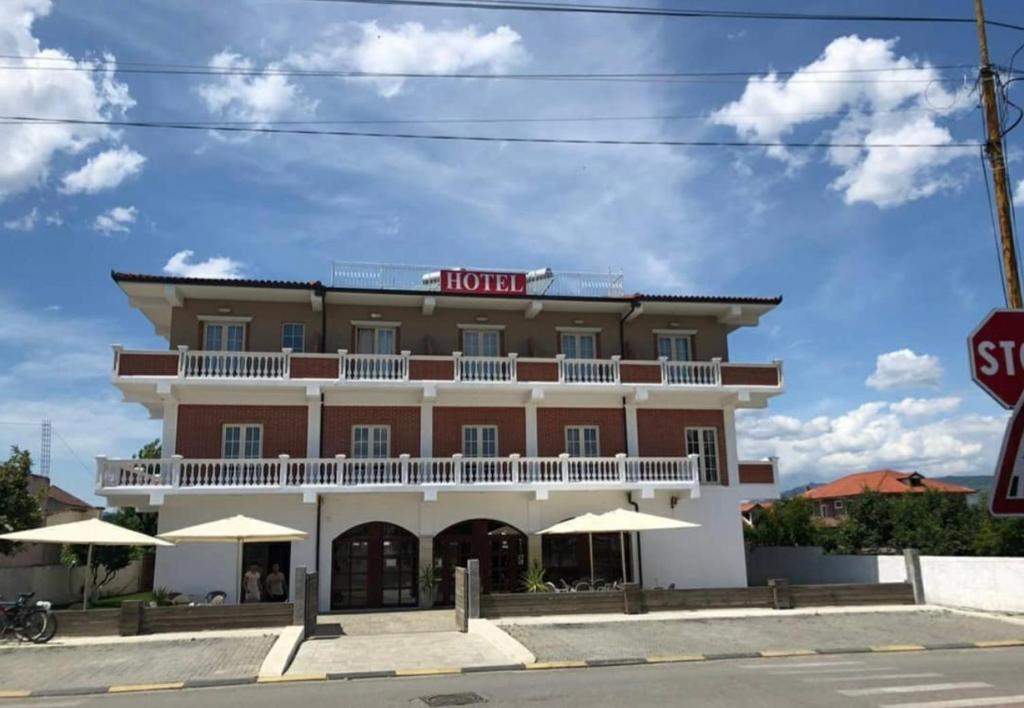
[(488, 369), (588, 371), (233, 365), (374, 367), (691, 373), (397, 473)]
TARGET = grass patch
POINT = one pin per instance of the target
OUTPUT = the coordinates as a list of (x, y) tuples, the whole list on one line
[(115, 601)]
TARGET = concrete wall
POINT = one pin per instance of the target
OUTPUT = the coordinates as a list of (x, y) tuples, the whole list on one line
[(61, 585), (985, 583)]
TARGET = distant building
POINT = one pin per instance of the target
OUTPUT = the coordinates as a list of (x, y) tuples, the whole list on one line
[(831, 500), (748, 510), (59, 507)]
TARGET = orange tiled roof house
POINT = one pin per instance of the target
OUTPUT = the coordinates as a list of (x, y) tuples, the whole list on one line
[(831, 500)]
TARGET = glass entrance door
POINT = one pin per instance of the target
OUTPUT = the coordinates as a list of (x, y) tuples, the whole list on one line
[(374, 565)]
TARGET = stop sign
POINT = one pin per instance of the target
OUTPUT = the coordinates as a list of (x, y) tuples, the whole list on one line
[(997, 355)]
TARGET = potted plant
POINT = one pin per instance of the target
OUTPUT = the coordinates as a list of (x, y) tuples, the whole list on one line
[(533, 579), (430, 580)]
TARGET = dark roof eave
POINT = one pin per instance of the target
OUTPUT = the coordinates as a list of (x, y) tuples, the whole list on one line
[(320, 287)]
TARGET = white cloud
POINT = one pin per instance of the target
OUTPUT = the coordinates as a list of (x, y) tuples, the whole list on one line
[(411, 48), (116, 220), (904, 369), (259, 98), (104, 171), (181, 264), (1018, 194), (23, 223), (54, 219), (871, 436), (89, 95), (901, 104), (919, 407)]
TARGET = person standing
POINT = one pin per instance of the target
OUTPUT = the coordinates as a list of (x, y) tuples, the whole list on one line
[(251, 584), (276, 584)]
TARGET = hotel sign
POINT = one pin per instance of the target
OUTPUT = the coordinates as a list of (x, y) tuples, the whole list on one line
[(479, 282)]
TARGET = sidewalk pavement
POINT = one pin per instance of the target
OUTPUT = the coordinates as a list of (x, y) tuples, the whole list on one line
[(154, 660)]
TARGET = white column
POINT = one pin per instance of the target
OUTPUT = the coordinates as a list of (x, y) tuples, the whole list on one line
[(632, 437), (731, 451), (169, 434), (313, 424), (426, 429), (531, 430)]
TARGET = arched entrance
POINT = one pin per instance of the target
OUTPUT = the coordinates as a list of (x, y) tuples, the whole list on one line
[(374, 565), (500, 548)]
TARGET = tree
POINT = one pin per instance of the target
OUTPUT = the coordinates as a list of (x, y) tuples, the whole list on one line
[(108, 561), (788, 522), (152, 450), (18, 508)]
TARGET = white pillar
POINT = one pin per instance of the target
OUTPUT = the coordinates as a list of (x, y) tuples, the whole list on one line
[(731, 451), (169, 434), (531, 430), (632, 437), (313, 426), (426, 429)]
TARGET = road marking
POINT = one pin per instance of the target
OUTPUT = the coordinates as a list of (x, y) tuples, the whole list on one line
[(819, 672), (433, 671), (801, 665), (877, 677), (15, 694), (133, 687), (915, 688), (1000, 643), (289, 678), (963, 702), (899, 647), (779, 653), (674, 658), (557, 665)]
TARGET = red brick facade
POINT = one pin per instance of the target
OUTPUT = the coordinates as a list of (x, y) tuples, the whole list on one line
[(404, 422), (662, 433), (200, 428), (147, 365), (431, 370), (448, 422), (537, 371), (756, 473), (551, 423), (314, 367), (733, 375), (640, 373)]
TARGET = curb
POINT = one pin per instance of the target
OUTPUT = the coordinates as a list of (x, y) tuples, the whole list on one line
[(537, 666)]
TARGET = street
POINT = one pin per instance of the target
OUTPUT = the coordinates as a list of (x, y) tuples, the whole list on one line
[(933, 679)]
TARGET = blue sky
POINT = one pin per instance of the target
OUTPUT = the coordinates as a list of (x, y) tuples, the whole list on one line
[(886, 259)]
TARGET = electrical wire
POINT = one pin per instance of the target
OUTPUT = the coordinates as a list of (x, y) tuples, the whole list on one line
[(30, 120), (675, 12), (71, 450)]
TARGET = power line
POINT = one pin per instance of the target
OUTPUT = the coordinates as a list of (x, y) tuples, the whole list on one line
[(667, 77), (29, 120), (674, 12), (72, 451)]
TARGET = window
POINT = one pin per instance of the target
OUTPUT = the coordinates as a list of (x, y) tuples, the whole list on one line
[(582, 441), (242, 442), (675, 347), (823, 510), (838, 504), (480, 441), (371, 441), (579, 345), (703, 442), (293, 336), (481, 342), (375, 340), (223, 336)]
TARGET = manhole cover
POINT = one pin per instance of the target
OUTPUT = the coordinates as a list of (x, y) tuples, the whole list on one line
[(453, 699)]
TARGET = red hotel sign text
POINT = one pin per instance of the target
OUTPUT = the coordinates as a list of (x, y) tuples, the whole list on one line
[(479, 282)]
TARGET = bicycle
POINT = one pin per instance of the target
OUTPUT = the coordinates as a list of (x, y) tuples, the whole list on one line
[(29, 623)]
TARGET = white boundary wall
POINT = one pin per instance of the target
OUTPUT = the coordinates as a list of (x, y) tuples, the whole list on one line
[(62, 585), (982, 583)]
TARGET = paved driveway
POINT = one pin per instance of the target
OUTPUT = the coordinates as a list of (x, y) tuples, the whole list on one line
[(131, 661), (607, 640)]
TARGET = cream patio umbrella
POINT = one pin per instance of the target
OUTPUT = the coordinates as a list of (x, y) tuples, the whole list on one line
[(620, 521), (237, 530), (91, 532)]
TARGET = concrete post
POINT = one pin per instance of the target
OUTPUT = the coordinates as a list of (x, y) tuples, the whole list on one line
[(912, 557), (473, 571), (299, 607), (426, 559), (782, 598), (534, 550), (129, 622)]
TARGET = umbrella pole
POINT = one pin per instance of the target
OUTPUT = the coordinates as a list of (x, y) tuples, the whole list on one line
[(88, 579), (238, 573), (622, 551), (590, 544)]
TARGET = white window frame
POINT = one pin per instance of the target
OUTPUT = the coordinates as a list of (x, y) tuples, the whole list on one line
[(481, 332), (243, 440), (377, 328), (838, 505), (674, 335), (578, 333), (242, 322), (702, 452), (480, 440), (371, 431), (582, 431), (302, 336), (823, 509)]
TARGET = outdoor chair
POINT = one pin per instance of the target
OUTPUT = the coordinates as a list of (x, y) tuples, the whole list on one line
[(215, 597), (582, 586), (565, 586), (552, 587)]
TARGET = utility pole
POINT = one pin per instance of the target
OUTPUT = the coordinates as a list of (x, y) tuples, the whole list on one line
[(994, 150)]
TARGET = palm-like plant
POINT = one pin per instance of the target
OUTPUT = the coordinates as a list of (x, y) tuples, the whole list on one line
[(533, 579)]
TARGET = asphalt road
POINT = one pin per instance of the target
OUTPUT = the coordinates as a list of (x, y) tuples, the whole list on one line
[(934, 679)]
